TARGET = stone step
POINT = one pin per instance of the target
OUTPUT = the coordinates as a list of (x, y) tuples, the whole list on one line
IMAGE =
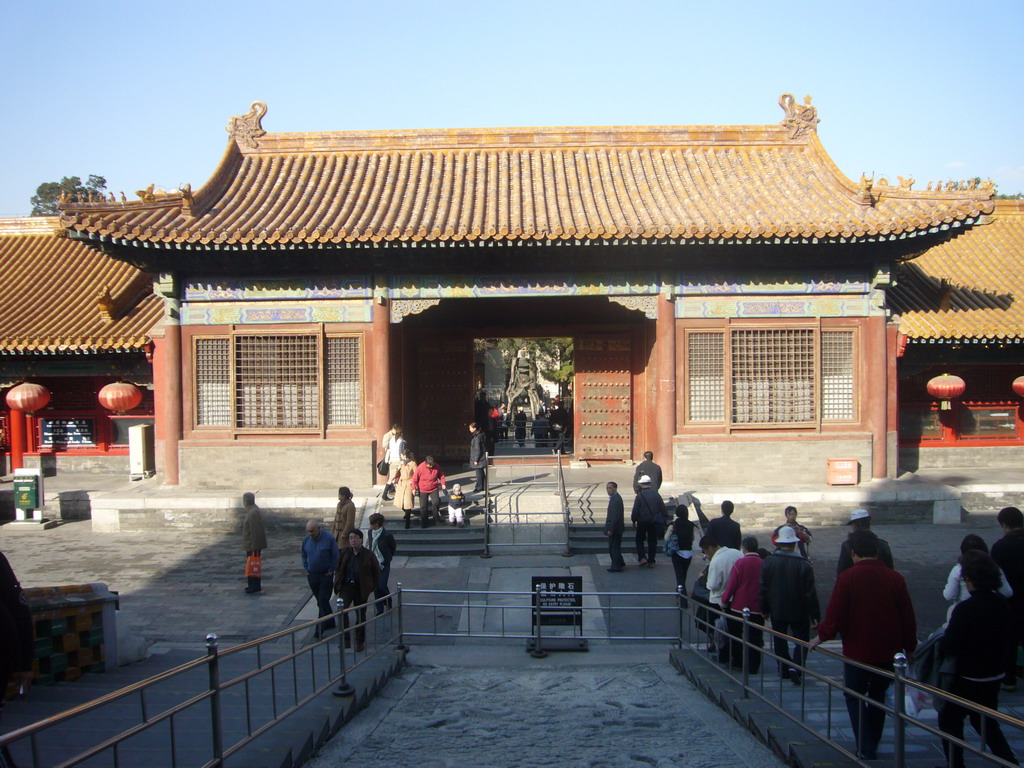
[(440, 540)]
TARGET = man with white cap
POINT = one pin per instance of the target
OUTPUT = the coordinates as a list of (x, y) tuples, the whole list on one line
[(648, 512), (860, 520), (789, 598)]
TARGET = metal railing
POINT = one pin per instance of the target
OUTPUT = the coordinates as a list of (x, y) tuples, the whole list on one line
[(506, 524), (512, 615), (181, 709), (817, 687)]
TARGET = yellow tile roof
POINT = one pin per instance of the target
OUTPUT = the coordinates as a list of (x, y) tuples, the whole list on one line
[(525, 184), (971, 286), (59, 295)]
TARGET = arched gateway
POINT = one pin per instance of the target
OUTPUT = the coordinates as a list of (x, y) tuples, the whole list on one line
[(725, 287)]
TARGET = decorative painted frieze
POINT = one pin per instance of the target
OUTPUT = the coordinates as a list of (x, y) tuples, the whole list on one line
[(216, 313), (470, 286), (773, 307), (717, 285), (263, 289)]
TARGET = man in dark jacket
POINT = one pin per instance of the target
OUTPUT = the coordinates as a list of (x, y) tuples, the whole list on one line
[(559, 421), (648, 514), (1008, 553), (357, 577), (724, 529), (614, 527), (478, 456), (870, 608), (860, 520), (649, 468), (789, 598), (16, 650)]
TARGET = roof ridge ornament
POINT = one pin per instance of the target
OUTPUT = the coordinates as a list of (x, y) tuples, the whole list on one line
[(246, 129), (800, 118)]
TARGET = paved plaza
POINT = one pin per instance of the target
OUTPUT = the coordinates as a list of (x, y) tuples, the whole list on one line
[(175, 587)]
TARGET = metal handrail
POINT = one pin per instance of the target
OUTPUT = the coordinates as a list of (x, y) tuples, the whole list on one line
[(565, 504), (898, 676), (215, 686), (592, 603)]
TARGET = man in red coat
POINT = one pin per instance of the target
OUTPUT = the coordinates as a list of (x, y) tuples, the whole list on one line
[(426, 481), (871, 609)]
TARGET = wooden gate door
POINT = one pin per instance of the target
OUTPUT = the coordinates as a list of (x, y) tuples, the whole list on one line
[(603, 401), (442, 401)]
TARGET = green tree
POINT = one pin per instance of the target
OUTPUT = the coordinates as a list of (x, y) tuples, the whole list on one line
[(45, 200)]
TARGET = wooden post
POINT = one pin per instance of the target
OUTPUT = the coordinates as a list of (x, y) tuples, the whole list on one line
[(379, 381), (876, 394), (17, 422), (664, 421)]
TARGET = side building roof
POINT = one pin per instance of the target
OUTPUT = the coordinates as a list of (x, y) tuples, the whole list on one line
[(969, 287), (766, 183), (59, 295)]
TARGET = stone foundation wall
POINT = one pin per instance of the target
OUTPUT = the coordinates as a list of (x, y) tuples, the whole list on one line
[(765, 461), (913, 458), (242, 467), (63, 462)]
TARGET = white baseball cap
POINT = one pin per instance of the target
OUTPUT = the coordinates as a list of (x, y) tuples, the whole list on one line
[(859, 514), (787, 536), (645, 479)]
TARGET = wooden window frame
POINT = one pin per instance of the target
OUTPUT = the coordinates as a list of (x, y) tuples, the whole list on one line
[(321, 334), (818, 329)]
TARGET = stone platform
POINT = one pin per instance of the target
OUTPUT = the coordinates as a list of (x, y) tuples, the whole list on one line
[(114, 503)]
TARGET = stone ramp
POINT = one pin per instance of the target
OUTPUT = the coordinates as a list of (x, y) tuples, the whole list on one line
[(287, 743), (616, 706), (796, 733)]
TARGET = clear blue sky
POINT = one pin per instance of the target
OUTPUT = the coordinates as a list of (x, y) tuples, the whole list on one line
[(140, 92)]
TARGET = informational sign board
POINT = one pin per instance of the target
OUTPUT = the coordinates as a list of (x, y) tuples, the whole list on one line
[(67, 432), (560, 599)]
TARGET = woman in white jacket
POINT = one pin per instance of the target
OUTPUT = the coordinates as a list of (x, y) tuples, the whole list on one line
[(956, 589), (394, 446)]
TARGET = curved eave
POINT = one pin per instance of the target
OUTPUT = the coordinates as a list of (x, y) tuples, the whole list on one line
[(282, 243), (72, 346)]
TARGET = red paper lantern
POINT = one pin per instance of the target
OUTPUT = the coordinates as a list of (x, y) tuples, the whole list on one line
[(28, 397), (120, 396), (1018, 386), (945, 388)]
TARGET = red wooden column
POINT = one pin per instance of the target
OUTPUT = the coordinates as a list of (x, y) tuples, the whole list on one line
[(664, 421), (378, 379), (167, 378), (876, 394), (17, 439)]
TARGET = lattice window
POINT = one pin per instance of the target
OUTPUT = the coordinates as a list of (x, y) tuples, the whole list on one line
[(344, 381), (277, 385), (837, 371), (773, 376), (213, 382), (706, 376)]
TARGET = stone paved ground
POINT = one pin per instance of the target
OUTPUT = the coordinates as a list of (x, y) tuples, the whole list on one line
[(175, 587), (566, 711)]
